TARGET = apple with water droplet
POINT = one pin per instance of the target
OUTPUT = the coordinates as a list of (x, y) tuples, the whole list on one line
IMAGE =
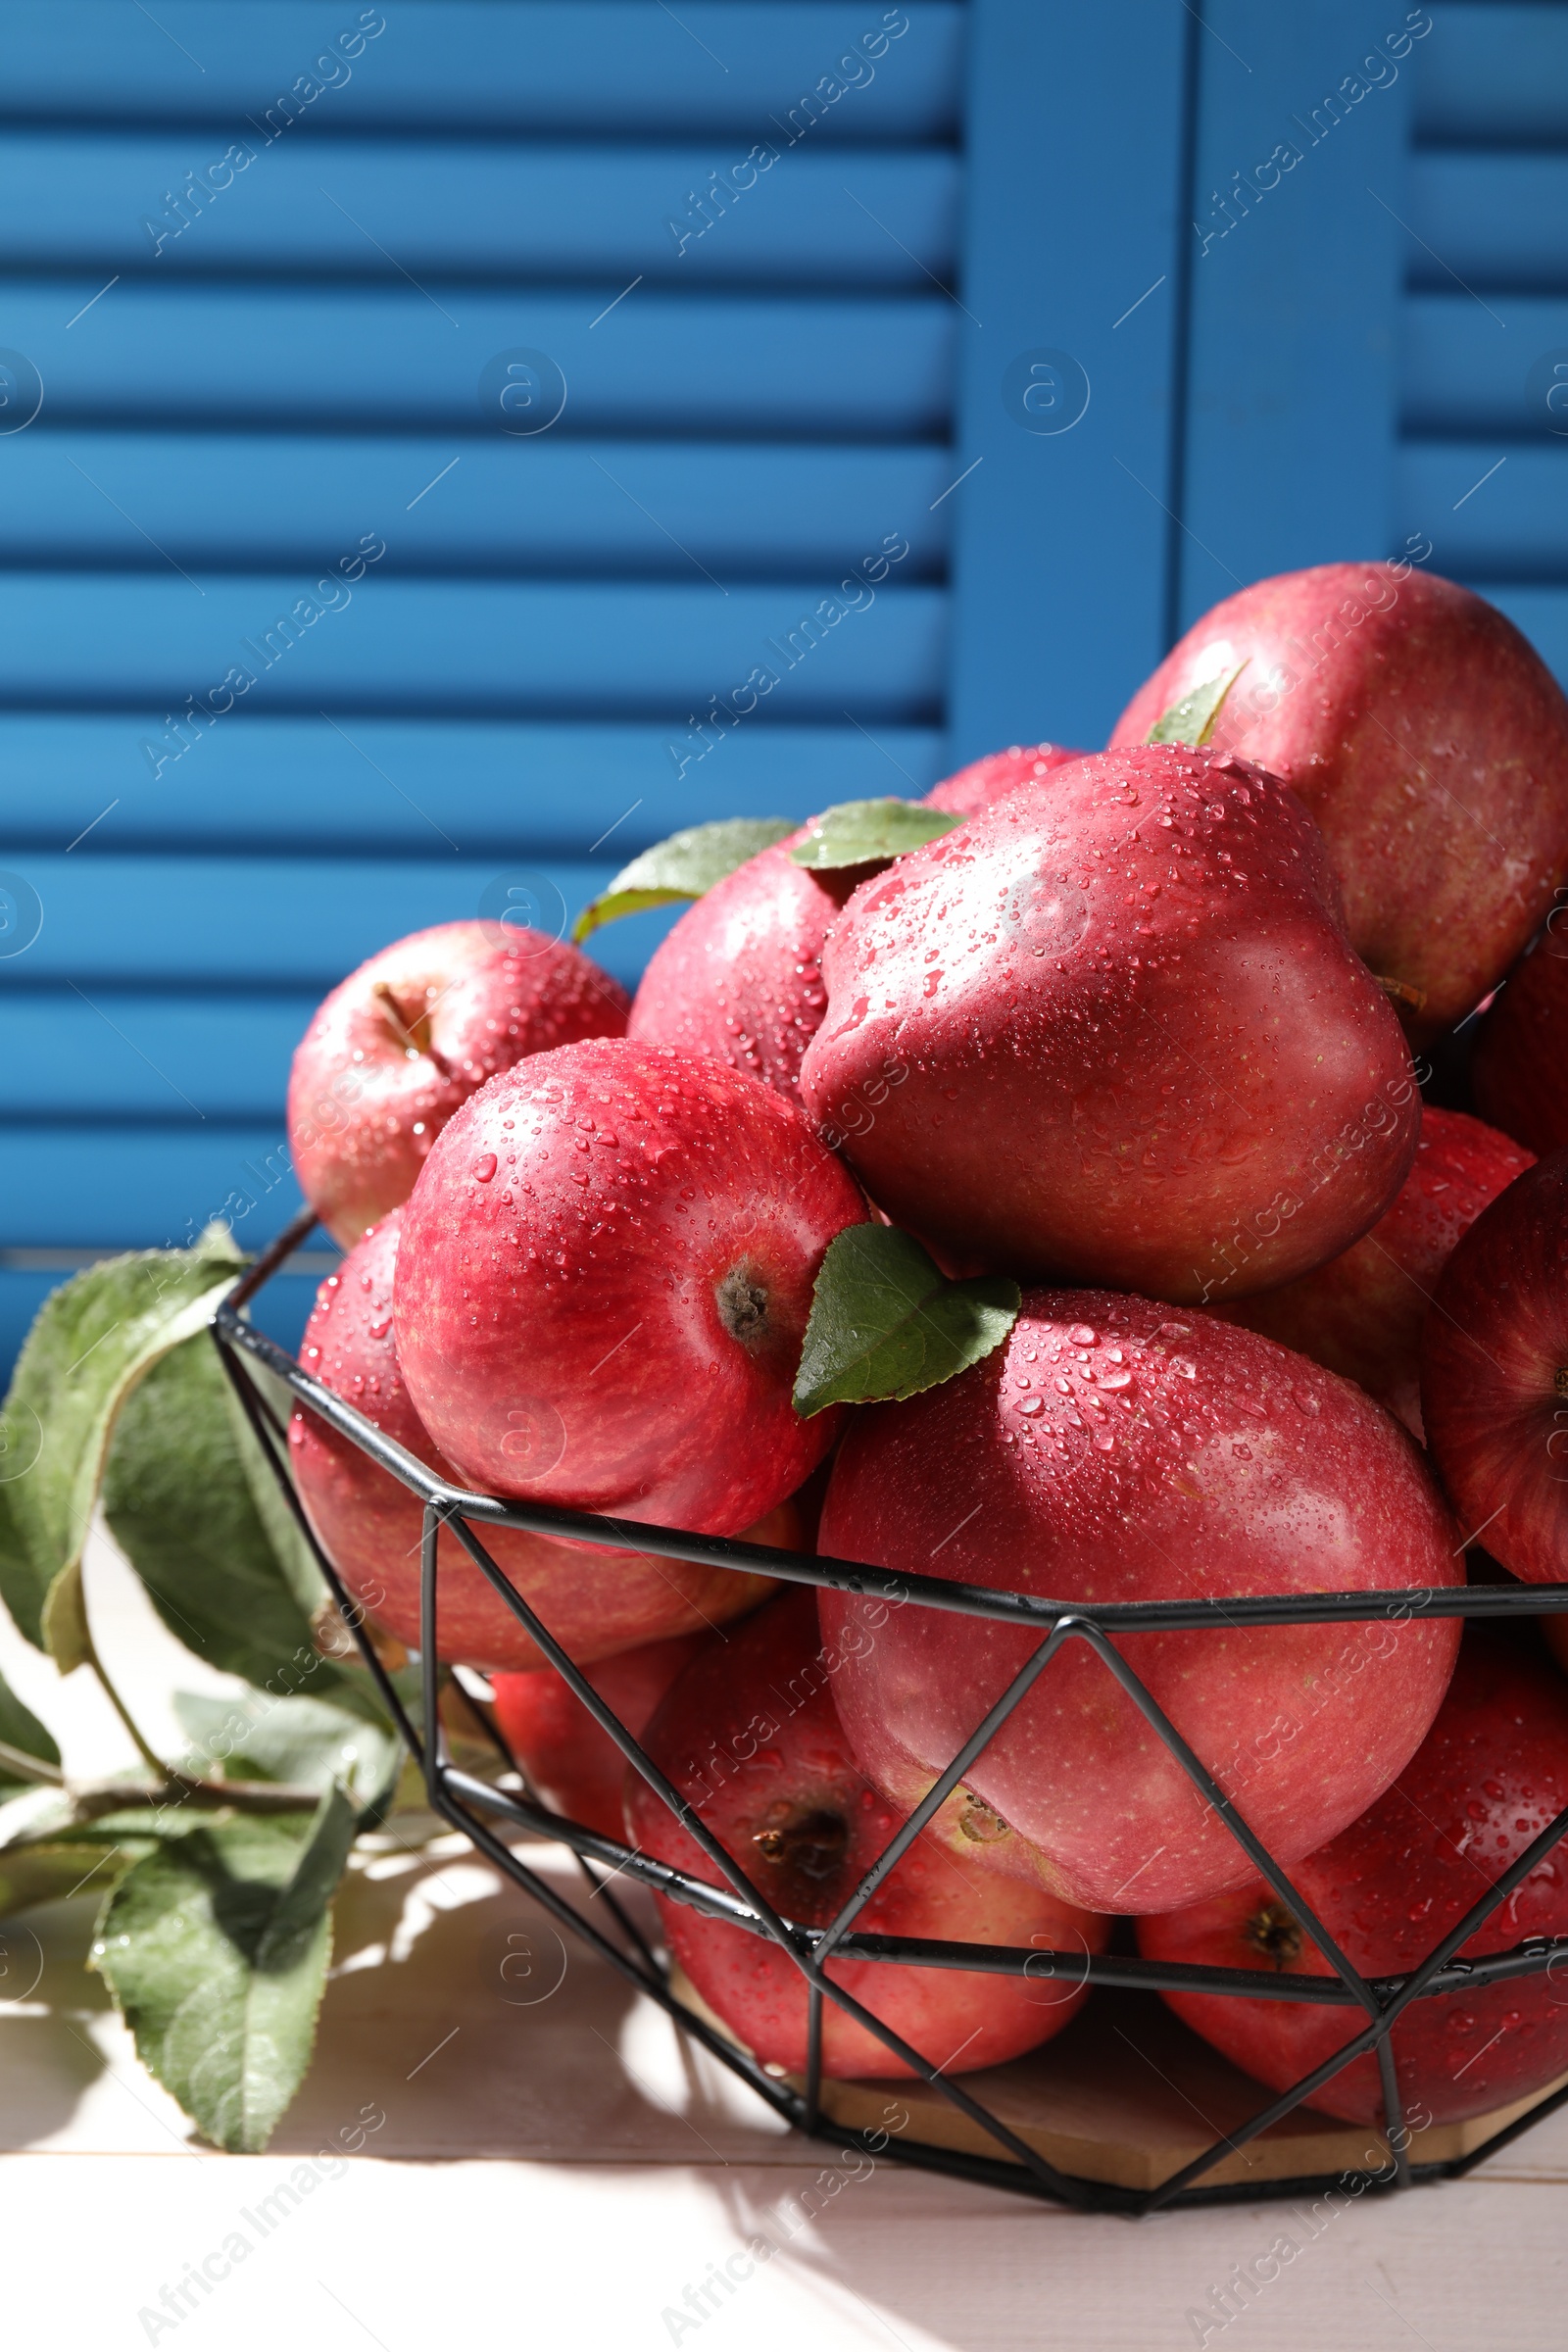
[(1429, 740), (1132, 1041), (750, 1736), (603, 1282), (1520, 1069), (593, 1599), (398, 1045), (1110, 1451), (1364, 1313), (984, 782), (1490, 1776)]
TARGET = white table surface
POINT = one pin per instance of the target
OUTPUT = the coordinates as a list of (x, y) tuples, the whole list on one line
[(556, 2167)]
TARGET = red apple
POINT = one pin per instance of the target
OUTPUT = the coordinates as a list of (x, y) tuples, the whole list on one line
[(1110, 1451), (1429, 740), (750, 1736), (1488, 1778), (740, 975), (1520, 1070), (1112, 1030), (399, 1044), (984, 782), (593, 1600), (604, 1283), (575, 1765), (1363, 1313), (1494, 1376)]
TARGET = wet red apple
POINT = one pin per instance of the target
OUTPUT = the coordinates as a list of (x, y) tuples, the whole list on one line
[(403, 1040), (1429, 740), (1111, 1451), (575, 1765), (595, 1600), (984, 782), (1490, 1775), (603, 1282), (740, 974), (750, 1736), (1494, 1376), (1520, 1069), (1112, 1031), (1363, 1313)]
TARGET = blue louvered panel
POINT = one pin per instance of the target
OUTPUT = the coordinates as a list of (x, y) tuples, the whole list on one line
[(1483, 461), (236, 399)]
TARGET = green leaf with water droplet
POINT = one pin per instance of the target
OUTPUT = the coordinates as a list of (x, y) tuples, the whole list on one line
[(685, 866), (1192, 719), (216, 1948), (886, 1322), (868, 833)]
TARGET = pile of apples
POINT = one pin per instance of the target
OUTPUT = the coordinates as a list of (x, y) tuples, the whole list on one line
[(1135, 1029)]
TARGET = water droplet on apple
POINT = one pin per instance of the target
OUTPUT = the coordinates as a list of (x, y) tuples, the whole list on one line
[(484, 1167)]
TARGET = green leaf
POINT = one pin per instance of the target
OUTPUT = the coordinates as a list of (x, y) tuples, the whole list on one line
[(180, 1503), (306, 1743), (47, 1874), (90, 1344), (20, 1728), (868, 833), (1192, 719), (216, 1948), (886, 1322), (684, 867), (295, 1559)]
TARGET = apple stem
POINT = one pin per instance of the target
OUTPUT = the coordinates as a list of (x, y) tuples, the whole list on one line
[(415, 1036), (1402, 992)]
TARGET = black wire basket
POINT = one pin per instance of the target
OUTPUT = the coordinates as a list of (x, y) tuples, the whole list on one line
[(480, 1809)]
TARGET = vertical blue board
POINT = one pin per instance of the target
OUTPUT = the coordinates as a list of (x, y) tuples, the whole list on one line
[(1069, 332), (1297, 252)]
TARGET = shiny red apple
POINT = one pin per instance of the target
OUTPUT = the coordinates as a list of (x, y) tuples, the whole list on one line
[(984, 782), (1363, 1313), (1112, 1031), (750, 1736), (575, 1765), (603, 1282), (1520, 1069), (399, 1044), (1111, 1451), (1494, 1376), (595, 1600), (1490, 1776), (1429, 740)]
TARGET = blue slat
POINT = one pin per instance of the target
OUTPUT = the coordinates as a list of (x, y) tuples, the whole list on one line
[(1291, 392), (447, 210), (1462, 373), (525, 507), (129, 1053), (298, 924), (554, 69), (1496, 73), (662, 361), (1493, 513), (1493, 222), (466, 647), (142, 1188), (371, 783), (1060, 539)]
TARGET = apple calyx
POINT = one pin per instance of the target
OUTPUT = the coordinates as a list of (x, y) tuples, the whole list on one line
[(980, 1822), (1277, 1934), (886, 1322), (685, 866), (1192, 719), (869, 834), (413, 1032), (806, 1846), (1560, 1380), (743, 1307)]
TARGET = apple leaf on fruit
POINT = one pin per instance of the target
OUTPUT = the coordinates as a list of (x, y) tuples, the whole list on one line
[(868, 833), (216, 1947), (91, 1342), (684, 867), (182, 1508), (886, 1322), (1192, 719)]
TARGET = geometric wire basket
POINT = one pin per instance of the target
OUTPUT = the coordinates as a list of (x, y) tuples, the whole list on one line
[(472, 1806)]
